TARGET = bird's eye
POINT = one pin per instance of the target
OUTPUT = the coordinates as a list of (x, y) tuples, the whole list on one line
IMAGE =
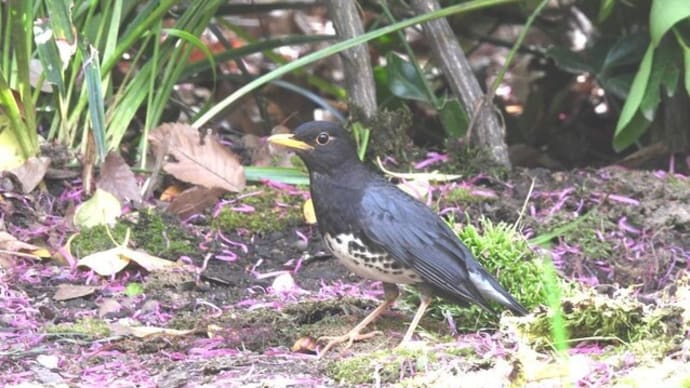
[(323, 138)]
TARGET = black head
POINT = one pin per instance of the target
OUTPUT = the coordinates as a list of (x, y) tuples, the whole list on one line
[(323, 146)]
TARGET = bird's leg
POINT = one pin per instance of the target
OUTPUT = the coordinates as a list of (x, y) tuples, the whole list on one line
[(390, 292), (425, 300)]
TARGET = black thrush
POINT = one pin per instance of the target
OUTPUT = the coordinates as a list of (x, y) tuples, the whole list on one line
[(381, 233)]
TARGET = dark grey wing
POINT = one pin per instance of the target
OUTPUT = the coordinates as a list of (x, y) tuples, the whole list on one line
[(415, 236)]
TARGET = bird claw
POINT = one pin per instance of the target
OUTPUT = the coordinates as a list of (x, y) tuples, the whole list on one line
[(350, 338)]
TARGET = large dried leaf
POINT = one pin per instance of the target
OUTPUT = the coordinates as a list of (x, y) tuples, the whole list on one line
[(10, 246), (105, 263), (31, 173), (194, 200), (196, 159), (118, 179), (133, 328), (101, 209), (73, 291), (10, 151), (112, 261)]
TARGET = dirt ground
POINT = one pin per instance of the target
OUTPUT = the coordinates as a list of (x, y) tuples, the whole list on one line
[(239, 318)]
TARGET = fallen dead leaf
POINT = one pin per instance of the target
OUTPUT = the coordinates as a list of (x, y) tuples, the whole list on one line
[(148, 262), (10, 154), (73, 291), (31, 173), (201, 161), (130, 327), (117, 178), (309, 212), (9, 246), (101, 209), (194, 200), (426, 176), (112, 261), (108, 306), (104, 263)]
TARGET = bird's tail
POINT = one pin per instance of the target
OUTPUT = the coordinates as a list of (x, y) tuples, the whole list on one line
[(490, 289)]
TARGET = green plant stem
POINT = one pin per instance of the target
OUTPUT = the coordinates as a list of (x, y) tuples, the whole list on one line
[(315, 56), (518, 43), (11, 109), (21, 19)]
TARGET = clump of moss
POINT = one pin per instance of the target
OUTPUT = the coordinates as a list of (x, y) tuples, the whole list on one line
[(97, 239), (162, 235), (91, 327), (266, 216), (598, 317), (382, 367), (470, 161), (156, 233), (505, 254), (463, 195)]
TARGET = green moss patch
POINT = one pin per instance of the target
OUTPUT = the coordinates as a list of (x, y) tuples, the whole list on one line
[(90, 327), (505, 254), (156, 233), (269, 210)]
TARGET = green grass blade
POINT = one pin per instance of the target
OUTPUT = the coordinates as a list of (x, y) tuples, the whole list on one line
[(96, 107), (21, 20), (288, 175)]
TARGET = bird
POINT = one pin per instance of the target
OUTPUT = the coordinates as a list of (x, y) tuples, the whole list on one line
[(381, 233)]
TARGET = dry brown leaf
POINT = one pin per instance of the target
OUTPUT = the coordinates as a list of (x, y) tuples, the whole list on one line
[(201, 161), (73, 291), (130, 327), (194, 200), (31, 173), (9, 245), (117, 178), (108, 306)]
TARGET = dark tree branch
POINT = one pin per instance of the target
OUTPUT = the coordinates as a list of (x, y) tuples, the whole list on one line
[(488, 132), (359, 76)]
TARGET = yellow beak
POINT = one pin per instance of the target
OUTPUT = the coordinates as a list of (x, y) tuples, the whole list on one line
[(288, 140)]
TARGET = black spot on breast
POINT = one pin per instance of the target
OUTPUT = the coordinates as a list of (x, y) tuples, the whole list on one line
[(362, 256), (354, 246), (338, 239)]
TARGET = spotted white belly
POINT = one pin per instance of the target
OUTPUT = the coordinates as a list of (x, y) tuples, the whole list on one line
[(371, 265)]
